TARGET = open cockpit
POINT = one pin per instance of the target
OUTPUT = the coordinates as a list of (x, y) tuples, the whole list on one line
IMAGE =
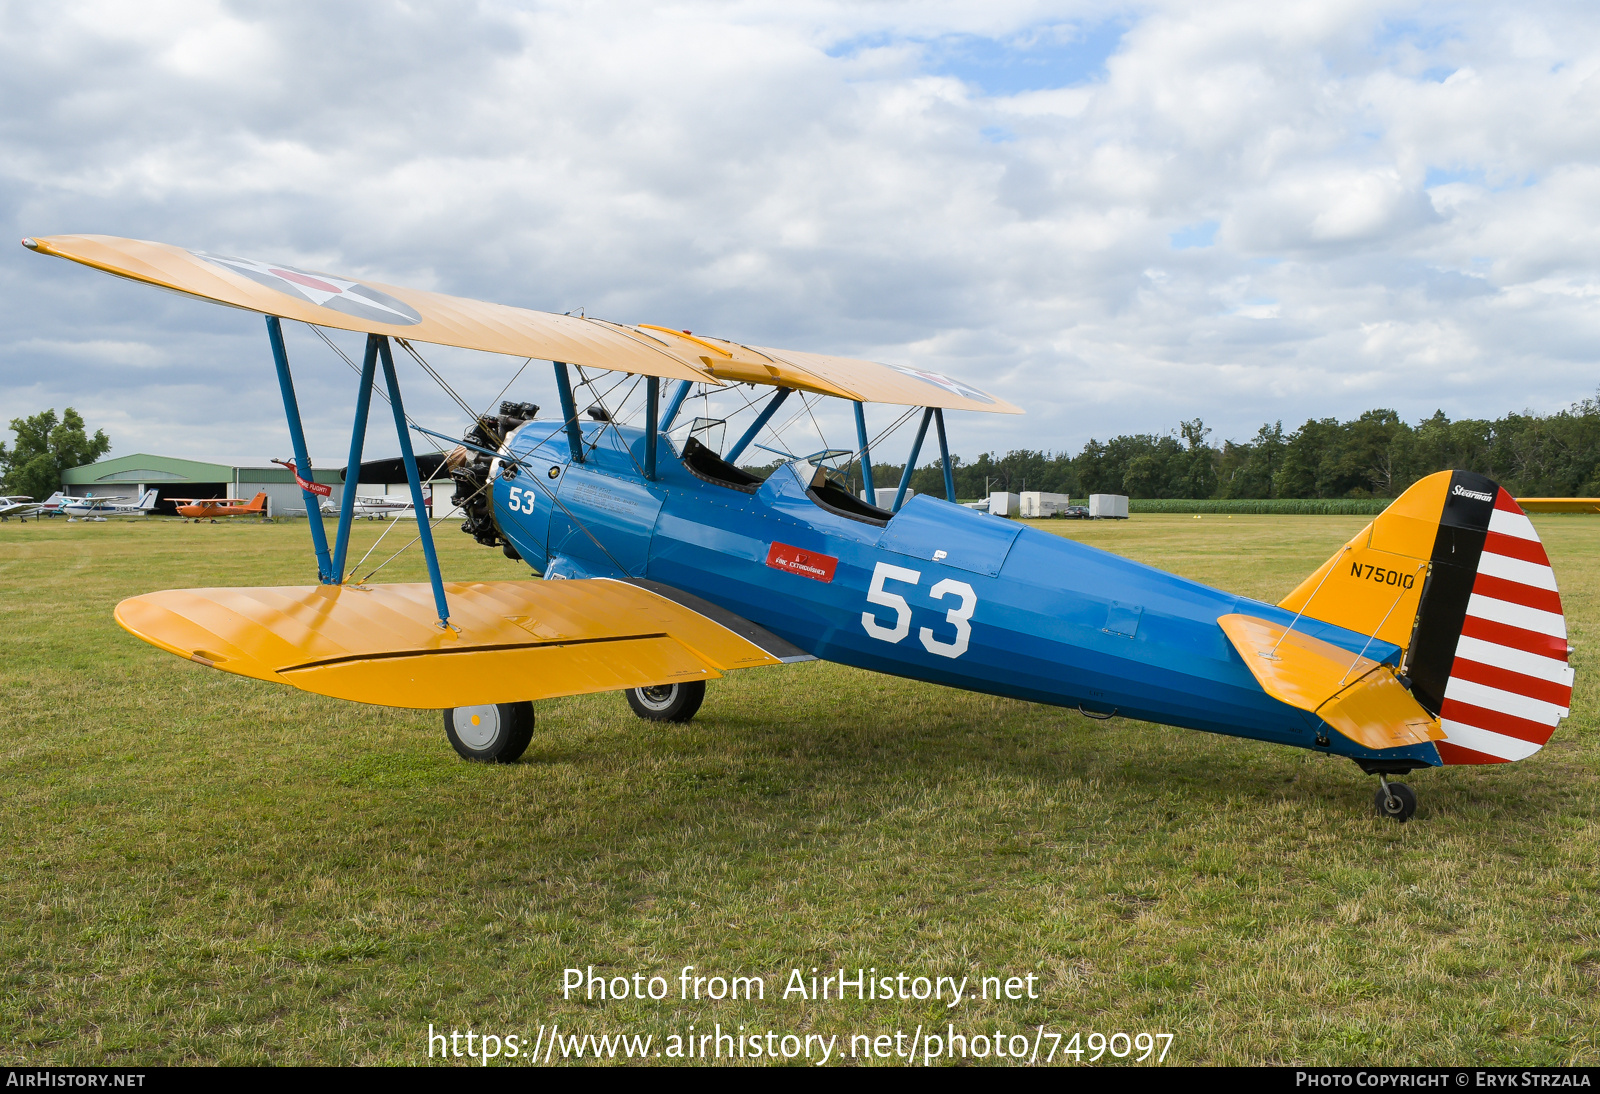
[(707, 466), (832, 496)]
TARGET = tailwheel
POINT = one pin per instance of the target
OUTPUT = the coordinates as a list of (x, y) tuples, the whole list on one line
[(494, 733), (668, 702), (1395, 800)]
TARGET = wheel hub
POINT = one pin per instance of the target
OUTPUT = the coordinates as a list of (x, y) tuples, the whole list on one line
[(477, 726), (659, 697)]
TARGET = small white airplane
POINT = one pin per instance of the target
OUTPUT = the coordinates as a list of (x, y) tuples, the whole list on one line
[(52, 506), (93, 508), (383, 505), (373, 507), (18, 505)]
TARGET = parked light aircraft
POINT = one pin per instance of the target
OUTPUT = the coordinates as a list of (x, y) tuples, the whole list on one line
[(373, 507), (93, 508), (20, 506), (1435, 636), (17, 505), (198, 509), (52, 506)]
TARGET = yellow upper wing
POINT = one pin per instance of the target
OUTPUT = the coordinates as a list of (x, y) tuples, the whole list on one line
[(331, 300), (347, 304)]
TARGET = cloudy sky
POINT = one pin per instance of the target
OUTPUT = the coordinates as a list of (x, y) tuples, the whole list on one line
[(1115, 215)]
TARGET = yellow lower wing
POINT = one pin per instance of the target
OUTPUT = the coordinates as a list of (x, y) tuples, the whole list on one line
[(1358, 696), (515, 640)]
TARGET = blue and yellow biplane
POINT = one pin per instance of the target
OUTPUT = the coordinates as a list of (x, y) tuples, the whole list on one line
[(1435, 636)]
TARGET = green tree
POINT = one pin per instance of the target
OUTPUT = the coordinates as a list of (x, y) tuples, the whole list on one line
[(1304, 454), (46, 447), (1370, 458), (1249, 469), (1197, 476)]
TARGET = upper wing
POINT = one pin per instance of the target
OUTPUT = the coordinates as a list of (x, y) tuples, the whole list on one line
[(331, 300), (510, 640), (878, 383), (844, 377)]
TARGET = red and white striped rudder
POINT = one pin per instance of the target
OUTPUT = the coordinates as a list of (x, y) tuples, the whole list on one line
[(1509, 681)]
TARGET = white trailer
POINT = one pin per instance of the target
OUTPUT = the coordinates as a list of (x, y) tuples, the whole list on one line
[(1108, 507), (885, 496), (1041, 503), (1003, 504)]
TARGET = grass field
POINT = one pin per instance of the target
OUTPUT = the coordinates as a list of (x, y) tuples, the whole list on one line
[(196, 867)]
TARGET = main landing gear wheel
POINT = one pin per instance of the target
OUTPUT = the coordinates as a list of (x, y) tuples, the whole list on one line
[(668, 702), (496, 733), (1395, 800)]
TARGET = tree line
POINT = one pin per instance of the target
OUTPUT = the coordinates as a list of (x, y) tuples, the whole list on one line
[(45, 446), (1376, 455)]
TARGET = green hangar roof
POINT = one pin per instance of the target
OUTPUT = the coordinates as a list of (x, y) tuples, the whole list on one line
[(142, 467)]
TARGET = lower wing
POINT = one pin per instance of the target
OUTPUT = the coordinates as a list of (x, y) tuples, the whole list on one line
[(509, 640)]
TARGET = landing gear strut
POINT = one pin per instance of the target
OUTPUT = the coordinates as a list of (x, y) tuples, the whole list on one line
[(1395, 800)]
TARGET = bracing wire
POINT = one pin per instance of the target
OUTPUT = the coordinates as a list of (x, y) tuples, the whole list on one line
[(507, 388), (881, 437), (610, 418), (432, 524), (384, 395), (887, 433), (462, 403), (810, 409), (791, 419), (440, 380), (807, 408), (611, 423), (371, 549)]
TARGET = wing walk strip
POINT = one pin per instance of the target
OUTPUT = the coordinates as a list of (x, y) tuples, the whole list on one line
[(1510, 683)]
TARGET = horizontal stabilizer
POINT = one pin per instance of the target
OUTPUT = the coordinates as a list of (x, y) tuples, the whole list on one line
[(509, 641), (1356, 695)]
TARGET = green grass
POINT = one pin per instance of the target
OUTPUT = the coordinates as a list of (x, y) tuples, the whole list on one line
[(196, 867)]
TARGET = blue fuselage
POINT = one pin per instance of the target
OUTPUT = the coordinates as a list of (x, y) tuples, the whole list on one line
[(940, 593)]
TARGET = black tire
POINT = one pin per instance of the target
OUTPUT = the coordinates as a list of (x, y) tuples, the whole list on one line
[(496, 733), (668, 702), (1397, 804)]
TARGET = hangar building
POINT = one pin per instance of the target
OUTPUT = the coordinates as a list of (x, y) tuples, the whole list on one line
[(177, 478)]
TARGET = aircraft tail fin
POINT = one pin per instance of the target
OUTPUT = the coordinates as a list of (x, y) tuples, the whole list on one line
[(148, 499), (1453, 572), (258, 504)]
